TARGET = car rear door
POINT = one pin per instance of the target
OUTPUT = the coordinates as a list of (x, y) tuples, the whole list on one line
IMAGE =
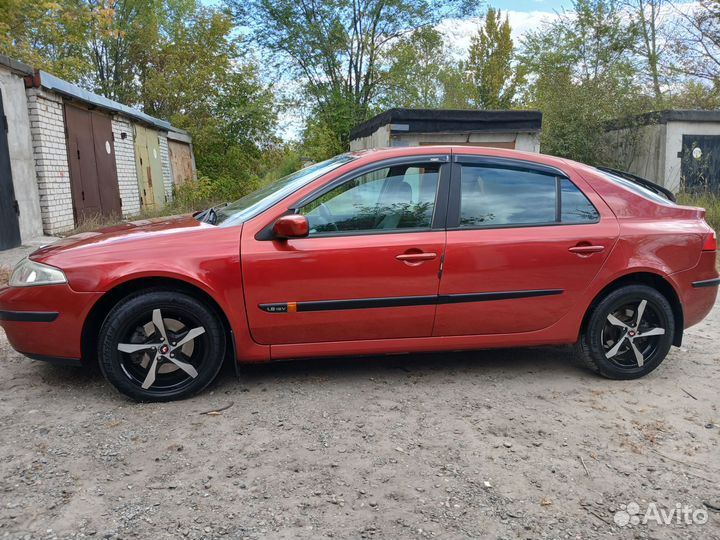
[(524, 240), (369, 268)]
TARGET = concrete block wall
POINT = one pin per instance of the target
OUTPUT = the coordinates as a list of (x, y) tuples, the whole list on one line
[(22, 159), (125, 162), (167, 171), (47, 127)]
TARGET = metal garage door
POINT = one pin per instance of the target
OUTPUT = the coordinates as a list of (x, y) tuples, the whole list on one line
[(700, 166), (93, 172), (149, 168), (9, 225)]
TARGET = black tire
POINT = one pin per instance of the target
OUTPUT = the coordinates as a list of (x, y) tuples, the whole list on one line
[(130, 324), (606, 344)]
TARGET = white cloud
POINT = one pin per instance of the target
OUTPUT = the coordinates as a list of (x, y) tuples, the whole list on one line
[(459, 32)]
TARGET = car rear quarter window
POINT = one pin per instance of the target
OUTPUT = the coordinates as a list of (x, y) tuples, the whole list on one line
[(576, 208), (506, 197)]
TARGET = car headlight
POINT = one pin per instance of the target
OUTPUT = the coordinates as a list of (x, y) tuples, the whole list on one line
[(29, 273)]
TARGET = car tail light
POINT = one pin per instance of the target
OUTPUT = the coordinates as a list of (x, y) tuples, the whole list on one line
[(710, 242)]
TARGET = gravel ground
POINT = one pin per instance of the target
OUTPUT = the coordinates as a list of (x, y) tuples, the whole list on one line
[(501, 444)]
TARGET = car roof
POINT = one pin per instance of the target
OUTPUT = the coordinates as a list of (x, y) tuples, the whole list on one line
[(374, 154)]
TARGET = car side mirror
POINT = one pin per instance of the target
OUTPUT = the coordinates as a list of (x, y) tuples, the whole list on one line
[(291, 226)]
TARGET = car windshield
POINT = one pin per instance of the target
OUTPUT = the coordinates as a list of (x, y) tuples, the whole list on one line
[(258, 201)]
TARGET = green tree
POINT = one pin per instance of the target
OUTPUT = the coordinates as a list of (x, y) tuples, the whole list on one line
[(333, 49), (583, 74), (121, 32), (652, 27), (176, 59), (190, 62), (695, 94), (490, 65), (232, 130), (47, 35), (416, 66)]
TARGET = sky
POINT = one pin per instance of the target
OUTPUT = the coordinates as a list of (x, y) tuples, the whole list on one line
[(530, 5), (459, 32)]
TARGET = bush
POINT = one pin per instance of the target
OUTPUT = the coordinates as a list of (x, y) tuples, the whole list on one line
[(206, 192), (707, 200)]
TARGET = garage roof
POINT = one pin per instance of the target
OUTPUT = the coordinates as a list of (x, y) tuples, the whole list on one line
[(15, 66), (450, 121), (59, 86), (663, 117)]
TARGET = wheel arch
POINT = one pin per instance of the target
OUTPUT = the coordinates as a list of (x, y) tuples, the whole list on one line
[(97, 314), (651, 279)]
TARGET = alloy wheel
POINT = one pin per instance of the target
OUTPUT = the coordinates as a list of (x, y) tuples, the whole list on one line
[(162, 350), (632, 334)]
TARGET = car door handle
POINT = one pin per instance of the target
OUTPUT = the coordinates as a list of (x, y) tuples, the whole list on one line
[(415, 257), (586, 249)]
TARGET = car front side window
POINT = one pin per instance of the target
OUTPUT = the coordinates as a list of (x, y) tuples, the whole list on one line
[(384, 200)]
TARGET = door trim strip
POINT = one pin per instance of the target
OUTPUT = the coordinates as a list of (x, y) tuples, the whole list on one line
[(706, 283), (403, 301)]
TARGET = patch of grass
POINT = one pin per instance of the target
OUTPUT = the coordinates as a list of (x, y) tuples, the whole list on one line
[(93, 223), (709, 201), (5, 272), (187, 198), (97, 222)]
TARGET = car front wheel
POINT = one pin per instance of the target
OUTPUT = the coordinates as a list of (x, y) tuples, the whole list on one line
[(628, 334), (161, 345)]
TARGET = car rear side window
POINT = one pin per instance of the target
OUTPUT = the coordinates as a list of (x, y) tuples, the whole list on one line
[(505, 197)]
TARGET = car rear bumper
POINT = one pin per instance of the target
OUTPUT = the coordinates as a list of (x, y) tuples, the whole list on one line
[(706, 283), (45, 322), (698, 289)]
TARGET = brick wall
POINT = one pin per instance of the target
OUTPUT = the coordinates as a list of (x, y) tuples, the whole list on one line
[(167, 172), (47, 127), (125, 161)]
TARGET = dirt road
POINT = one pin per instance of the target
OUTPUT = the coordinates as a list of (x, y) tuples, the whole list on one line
[(502, 444)]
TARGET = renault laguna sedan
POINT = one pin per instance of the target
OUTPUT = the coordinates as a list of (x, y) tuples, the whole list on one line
[(376, 252)]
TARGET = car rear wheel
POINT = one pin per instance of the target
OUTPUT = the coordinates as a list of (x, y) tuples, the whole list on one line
[(628, 334), (161, 345)]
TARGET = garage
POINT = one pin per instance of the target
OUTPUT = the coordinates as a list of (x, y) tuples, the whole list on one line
[(515, 130), (82, 156), (678, 149), (91, 158)]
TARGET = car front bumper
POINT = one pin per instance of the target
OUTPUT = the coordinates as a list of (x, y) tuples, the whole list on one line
[(46, 322)]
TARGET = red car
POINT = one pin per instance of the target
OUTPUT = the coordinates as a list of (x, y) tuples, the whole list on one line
[(376, 252)]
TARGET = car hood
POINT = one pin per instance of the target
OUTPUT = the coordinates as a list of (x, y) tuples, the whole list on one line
[(119, 235)]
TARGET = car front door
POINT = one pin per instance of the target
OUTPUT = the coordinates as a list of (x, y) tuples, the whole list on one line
[(523, 241), (368, 268)]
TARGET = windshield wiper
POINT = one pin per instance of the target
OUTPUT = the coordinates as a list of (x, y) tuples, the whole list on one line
[(210, 215)]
